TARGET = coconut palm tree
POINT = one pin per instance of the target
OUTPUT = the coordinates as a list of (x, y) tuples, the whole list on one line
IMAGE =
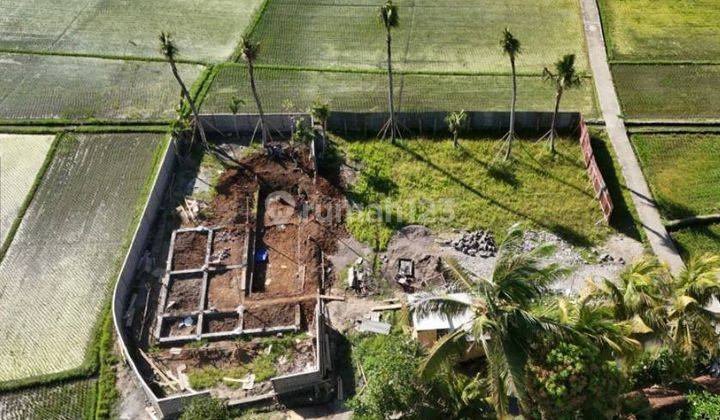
[(390, 19), (249, 52), (691, 327), (169, 50), (638, 295), (511, 47), (564, 77), (502, 323), (456, 122)]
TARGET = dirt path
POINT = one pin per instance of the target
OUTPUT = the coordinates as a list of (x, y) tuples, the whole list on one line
[(657, 235)]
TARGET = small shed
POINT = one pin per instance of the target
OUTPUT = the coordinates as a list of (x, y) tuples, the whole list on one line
[(429, 327)]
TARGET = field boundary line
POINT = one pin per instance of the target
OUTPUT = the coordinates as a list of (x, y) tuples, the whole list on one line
[(658, 237), (29, 196), (356, 70), (250, 29), (665, 62), (100, 56)]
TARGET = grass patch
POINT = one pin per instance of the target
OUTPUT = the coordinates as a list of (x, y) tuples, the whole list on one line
[(661, 29), (367, 91), (683, 171), (653, 91), (697, 240), (263, 365), (431, 183)]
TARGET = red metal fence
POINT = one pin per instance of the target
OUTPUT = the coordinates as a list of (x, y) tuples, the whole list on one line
[(596, 178)]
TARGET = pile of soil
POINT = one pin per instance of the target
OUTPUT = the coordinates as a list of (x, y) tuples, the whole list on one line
[(224, 289), (189, 250), (416, 243)]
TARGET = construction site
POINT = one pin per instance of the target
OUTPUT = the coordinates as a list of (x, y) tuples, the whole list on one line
[(227, 297)]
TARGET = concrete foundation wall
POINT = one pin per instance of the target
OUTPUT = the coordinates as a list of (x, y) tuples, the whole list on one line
[(370, 123)]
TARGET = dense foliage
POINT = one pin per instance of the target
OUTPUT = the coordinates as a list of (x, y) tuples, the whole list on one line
[(205, 408), (663, 367), (571, 382), (704, 406)]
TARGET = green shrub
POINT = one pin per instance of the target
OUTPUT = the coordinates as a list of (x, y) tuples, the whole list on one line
[(571, 382), (663, 367), (704, 406), (205, 408)]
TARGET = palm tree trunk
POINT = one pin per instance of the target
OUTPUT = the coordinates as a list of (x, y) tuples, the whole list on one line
[(190, 101), (455, 139), (391, 99), (263, 127), (511, 133), (558, 96)]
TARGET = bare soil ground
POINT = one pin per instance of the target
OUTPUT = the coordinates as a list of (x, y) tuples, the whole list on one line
[(221, 322), (189, 250), (173, 328), (224, 289), (267, 316), (184, 294), (278, 276)]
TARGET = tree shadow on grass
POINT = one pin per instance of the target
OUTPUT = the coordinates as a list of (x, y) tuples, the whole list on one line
[(567, 233), (622, 219)]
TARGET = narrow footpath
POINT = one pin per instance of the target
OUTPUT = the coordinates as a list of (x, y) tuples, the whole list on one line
[(658, 237)]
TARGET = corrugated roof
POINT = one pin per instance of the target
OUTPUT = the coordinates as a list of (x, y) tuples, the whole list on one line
[(438, 320)]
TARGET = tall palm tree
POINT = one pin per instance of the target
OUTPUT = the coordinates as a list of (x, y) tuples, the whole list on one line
[(390, 19), (170, 50), (502, 323), (456, 122), (564, 78), (249, 51), (511, 47)]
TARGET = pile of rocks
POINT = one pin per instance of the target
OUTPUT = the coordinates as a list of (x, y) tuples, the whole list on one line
[(479, 243)]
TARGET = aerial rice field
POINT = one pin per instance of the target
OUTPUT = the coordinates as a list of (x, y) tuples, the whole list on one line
[(669, 30), (55, 277), (667, 92), (36, 86), (434, 35), (205, 31), (21, 157), (69, 401), (282, 90), (683, 171), (428, 182)]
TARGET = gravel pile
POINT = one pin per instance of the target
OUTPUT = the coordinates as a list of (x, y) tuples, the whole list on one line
[(479, 243)]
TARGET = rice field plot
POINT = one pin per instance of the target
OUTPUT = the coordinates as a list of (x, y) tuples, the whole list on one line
[(206, 31), (683, 171), (67, 401), (56, 274), (662, 29), (34, 87), (21, 158), (282, 90), (668, 91), (434, 35), (698, 240)]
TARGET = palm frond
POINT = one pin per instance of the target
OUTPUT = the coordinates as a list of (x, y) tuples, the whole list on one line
[(446, 350)]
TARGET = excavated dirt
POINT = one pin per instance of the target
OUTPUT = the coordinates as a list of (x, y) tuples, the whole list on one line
[(172, 328), (184, 294), (224, 291), (267, 316), (221, 322), (418, 244), (278, 276), (189, 250), (228, 246)]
